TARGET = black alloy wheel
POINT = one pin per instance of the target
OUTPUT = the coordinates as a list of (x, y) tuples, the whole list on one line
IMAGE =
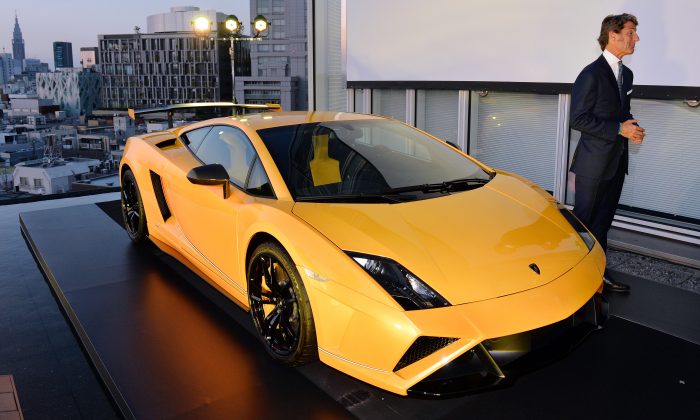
[(279, 306), (132, 208)]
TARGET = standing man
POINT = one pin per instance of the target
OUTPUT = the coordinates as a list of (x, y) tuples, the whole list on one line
[(600, 110)]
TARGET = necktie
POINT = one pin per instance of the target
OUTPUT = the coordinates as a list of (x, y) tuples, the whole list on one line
[(619, 79)]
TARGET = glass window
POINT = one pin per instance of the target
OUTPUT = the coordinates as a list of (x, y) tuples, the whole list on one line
[(366, 160), (436, 113), (359, 101), (229, 147), (259, 183), (37, 183), (516, 132), (389, 103), (663, 171)]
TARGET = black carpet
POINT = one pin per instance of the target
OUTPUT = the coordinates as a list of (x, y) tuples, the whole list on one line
[(113, 210), (624, 371)]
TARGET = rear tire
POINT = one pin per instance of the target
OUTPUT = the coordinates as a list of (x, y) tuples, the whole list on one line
[(279, 306), (132, 208)]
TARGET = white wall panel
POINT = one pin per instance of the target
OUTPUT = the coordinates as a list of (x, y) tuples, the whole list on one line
[(514, 41)]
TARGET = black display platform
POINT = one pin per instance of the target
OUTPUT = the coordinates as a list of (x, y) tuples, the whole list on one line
[(167, 345)]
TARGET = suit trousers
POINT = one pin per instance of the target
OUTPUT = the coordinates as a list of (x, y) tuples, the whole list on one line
[(596, 202)]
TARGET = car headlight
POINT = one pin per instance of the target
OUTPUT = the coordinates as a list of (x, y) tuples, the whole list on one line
[(405, 287), (587, 237)]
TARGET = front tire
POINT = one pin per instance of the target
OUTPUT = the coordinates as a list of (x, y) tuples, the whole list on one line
[(279, 306), (132, 208)]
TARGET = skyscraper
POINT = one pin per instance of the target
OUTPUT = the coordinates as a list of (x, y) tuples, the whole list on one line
[(279, 63), (18, 46), (62, 54)]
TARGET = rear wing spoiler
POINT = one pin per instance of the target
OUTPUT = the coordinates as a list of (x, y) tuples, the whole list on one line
[(172, 109)]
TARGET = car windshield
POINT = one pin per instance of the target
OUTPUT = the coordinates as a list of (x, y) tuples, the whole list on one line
[(368, 161)]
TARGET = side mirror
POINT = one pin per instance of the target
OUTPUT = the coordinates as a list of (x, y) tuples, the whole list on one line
[(214, 174)]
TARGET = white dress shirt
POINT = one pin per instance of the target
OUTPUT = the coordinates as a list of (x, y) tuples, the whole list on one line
[(613, 61)]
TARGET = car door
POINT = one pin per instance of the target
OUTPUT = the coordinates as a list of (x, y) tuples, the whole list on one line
[(206, 218)]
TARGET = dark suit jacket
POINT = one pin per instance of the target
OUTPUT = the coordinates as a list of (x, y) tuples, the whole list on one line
[(597, 111)]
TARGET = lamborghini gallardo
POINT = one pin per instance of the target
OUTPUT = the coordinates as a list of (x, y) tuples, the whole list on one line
[(365, 243)]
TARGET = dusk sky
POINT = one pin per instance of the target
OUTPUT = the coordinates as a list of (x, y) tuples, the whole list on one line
[(80, 21)]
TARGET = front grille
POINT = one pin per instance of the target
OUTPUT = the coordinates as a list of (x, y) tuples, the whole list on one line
[(422, 348)]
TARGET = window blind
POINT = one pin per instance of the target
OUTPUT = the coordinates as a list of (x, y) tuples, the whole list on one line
[(436, 113), (389, 103), (516, 132)]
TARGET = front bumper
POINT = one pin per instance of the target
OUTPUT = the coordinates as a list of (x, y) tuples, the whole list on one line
[(499, 360), (398, 350)]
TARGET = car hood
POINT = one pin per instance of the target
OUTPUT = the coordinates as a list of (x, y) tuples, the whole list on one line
[(468, 246)]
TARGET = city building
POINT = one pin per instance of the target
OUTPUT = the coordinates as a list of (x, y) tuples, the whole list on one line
[(168, 64), (171, 64), (123, 127), (74, 91), (39, 177), (8, 137), (25, 105), (7, 65), (18, 47), (36, 122), (32, 66), (62, 54), (279, 62), (88, 57), (180, 19), (12, 154)]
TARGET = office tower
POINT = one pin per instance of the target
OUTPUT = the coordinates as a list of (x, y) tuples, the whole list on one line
[(62, 54), (169, 64), (279, 63), (18, 47)]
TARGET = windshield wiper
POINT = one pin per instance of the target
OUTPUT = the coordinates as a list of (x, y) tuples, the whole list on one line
[(393, 195), (461, 184), (352, 198)]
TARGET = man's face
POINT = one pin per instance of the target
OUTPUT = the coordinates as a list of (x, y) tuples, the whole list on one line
[(622, 43)]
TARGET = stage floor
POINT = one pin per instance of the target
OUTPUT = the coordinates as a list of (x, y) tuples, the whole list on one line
[(167, 345)]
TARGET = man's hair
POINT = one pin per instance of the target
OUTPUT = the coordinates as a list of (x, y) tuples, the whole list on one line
[(614, 23)]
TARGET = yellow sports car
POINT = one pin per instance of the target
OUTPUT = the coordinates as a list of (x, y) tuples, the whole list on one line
[(358, 240)]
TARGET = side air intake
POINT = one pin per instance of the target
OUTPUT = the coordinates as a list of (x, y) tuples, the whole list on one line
[(160, 196), (422, 348), (166, 143)]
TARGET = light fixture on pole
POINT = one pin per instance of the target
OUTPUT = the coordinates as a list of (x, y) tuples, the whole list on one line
[(233, 28)]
